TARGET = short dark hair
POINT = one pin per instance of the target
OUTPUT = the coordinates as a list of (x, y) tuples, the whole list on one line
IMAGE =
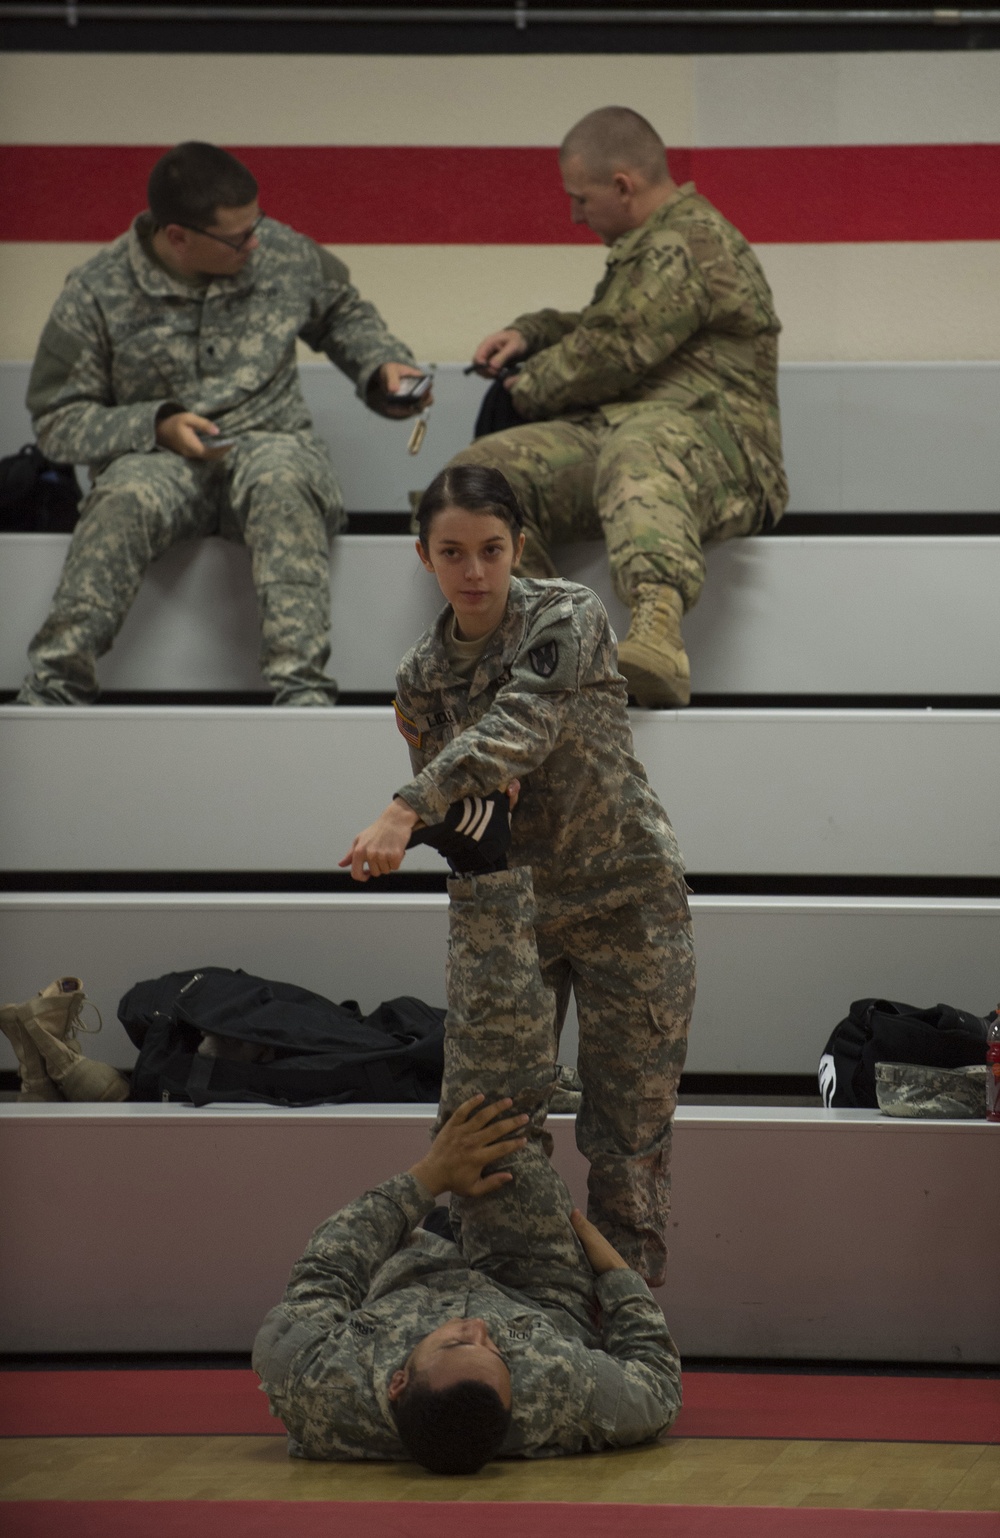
[(190, 182), (455, 1430), (473, 488)]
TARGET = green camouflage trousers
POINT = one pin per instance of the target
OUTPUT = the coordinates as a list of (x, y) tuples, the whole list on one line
[(500, 1041), (275, 492), (657, 482)]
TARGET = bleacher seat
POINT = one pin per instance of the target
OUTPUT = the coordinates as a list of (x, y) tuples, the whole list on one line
[(859, 437), (794, 1232), (839, 615)]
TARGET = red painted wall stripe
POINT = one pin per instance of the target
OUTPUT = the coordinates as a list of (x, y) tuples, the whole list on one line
[(461, 195)]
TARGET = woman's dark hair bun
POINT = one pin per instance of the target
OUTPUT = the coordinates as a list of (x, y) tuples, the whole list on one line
[(473, 488)]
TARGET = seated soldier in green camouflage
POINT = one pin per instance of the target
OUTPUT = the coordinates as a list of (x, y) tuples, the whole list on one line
[(651, 416), (168, 367), (529, 1338)]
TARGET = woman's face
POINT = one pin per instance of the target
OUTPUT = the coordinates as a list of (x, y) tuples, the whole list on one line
[(472, 555)]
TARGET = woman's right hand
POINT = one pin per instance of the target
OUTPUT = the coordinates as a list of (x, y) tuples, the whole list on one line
[(380, 848)]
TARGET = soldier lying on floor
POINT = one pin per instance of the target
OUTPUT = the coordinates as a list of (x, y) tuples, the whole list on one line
[(529, 1336)]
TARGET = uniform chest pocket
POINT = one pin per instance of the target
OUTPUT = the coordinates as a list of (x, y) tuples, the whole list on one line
[(154, 357)]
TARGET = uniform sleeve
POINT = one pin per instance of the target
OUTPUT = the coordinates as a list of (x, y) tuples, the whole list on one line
[(522, 725), (70, 393), (306, 1352), (350, 330), (638, 1393), (652, 304), (334, 1275), (544, 327)]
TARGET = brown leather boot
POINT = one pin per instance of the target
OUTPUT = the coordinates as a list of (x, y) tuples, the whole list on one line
[(652, 656), (35, 1082), (50, 1023)]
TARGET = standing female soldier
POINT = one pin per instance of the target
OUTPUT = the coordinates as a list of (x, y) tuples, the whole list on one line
[(517, 682)]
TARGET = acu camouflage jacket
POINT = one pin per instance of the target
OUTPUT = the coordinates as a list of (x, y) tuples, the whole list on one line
[(125, 338), (368, 1289), (682, 316), (546, 706)]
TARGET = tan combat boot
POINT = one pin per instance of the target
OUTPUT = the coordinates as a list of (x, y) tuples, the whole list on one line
[(50, 1022), (35, 1082), (652, 656)]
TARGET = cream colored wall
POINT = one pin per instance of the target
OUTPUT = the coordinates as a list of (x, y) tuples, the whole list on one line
[(919, 300), (889, 302)]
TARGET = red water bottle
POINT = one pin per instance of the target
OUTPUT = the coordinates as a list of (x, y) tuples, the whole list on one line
[(993, 1070)]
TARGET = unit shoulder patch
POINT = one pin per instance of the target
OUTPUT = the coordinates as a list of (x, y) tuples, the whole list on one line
[(544, 659)]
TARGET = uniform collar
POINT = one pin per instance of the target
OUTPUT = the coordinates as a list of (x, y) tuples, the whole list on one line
[(626, 244), (156, 281), (503, 647)]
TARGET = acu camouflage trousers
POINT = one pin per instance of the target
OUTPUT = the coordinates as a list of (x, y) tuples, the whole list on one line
[(499, 1041), (655, 481), (632, 971), (275, 492)]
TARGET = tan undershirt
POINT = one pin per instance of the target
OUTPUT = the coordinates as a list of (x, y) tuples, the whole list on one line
[(463, 656)]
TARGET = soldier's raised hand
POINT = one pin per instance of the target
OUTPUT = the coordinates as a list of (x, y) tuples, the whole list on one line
[(498, 349), (473, 1136)]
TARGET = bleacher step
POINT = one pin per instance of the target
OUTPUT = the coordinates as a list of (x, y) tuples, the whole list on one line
[(795, 1233), (887, 792), (774, 974)]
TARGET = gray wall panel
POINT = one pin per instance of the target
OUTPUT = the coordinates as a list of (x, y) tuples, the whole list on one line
[(774, 975), (859, 437), (190, 1222), (903, 792), (798, 616)]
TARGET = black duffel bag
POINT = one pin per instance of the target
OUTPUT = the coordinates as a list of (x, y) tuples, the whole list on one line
[(37, 496), (277, 1044), (882, 1031)]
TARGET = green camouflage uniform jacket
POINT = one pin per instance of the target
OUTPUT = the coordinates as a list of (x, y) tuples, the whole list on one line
[(547, 706), (684, 316), (378, 1289), (125, 338)]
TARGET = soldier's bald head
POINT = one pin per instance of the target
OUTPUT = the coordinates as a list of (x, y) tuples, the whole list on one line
[(615, 139)]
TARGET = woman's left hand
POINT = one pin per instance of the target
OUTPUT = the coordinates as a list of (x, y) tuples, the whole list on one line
[(380, 848)]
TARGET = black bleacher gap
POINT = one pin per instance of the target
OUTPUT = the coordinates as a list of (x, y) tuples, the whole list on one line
[(307, 883), (177, 35)]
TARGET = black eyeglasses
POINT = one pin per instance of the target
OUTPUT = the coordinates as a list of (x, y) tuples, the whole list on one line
[(234, 244)]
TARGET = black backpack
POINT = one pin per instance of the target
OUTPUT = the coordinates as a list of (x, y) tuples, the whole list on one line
[(881, 1031), (314, 1052), (37, 496)]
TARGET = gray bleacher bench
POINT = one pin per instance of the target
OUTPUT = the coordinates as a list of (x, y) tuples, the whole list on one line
[(850, 614), (794, 1232), (858, 437)]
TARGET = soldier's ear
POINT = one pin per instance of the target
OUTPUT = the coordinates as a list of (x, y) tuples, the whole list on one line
[(425, 559), (398, 1382), (518, 549)]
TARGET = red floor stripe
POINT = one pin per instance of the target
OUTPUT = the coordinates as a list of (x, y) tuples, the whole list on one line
[(430, 1519), (226, 1402), (460, 194)]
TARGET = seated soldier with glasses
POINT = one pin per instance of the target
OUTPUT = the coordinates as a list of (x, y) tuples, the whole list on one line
[(168, 367)]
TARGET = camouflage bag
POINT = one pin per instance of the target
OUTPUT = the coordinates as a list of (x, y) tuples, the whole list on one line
[(912, 1089)]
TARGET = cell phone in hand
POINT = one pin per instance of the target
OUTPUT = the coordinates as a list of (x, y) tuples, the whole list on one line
[(207, 441), (412, 388)]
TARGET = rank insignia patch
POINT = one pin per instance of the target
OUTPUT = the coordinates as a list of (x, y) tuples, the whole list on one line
[(409, 728), (545, 659)]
